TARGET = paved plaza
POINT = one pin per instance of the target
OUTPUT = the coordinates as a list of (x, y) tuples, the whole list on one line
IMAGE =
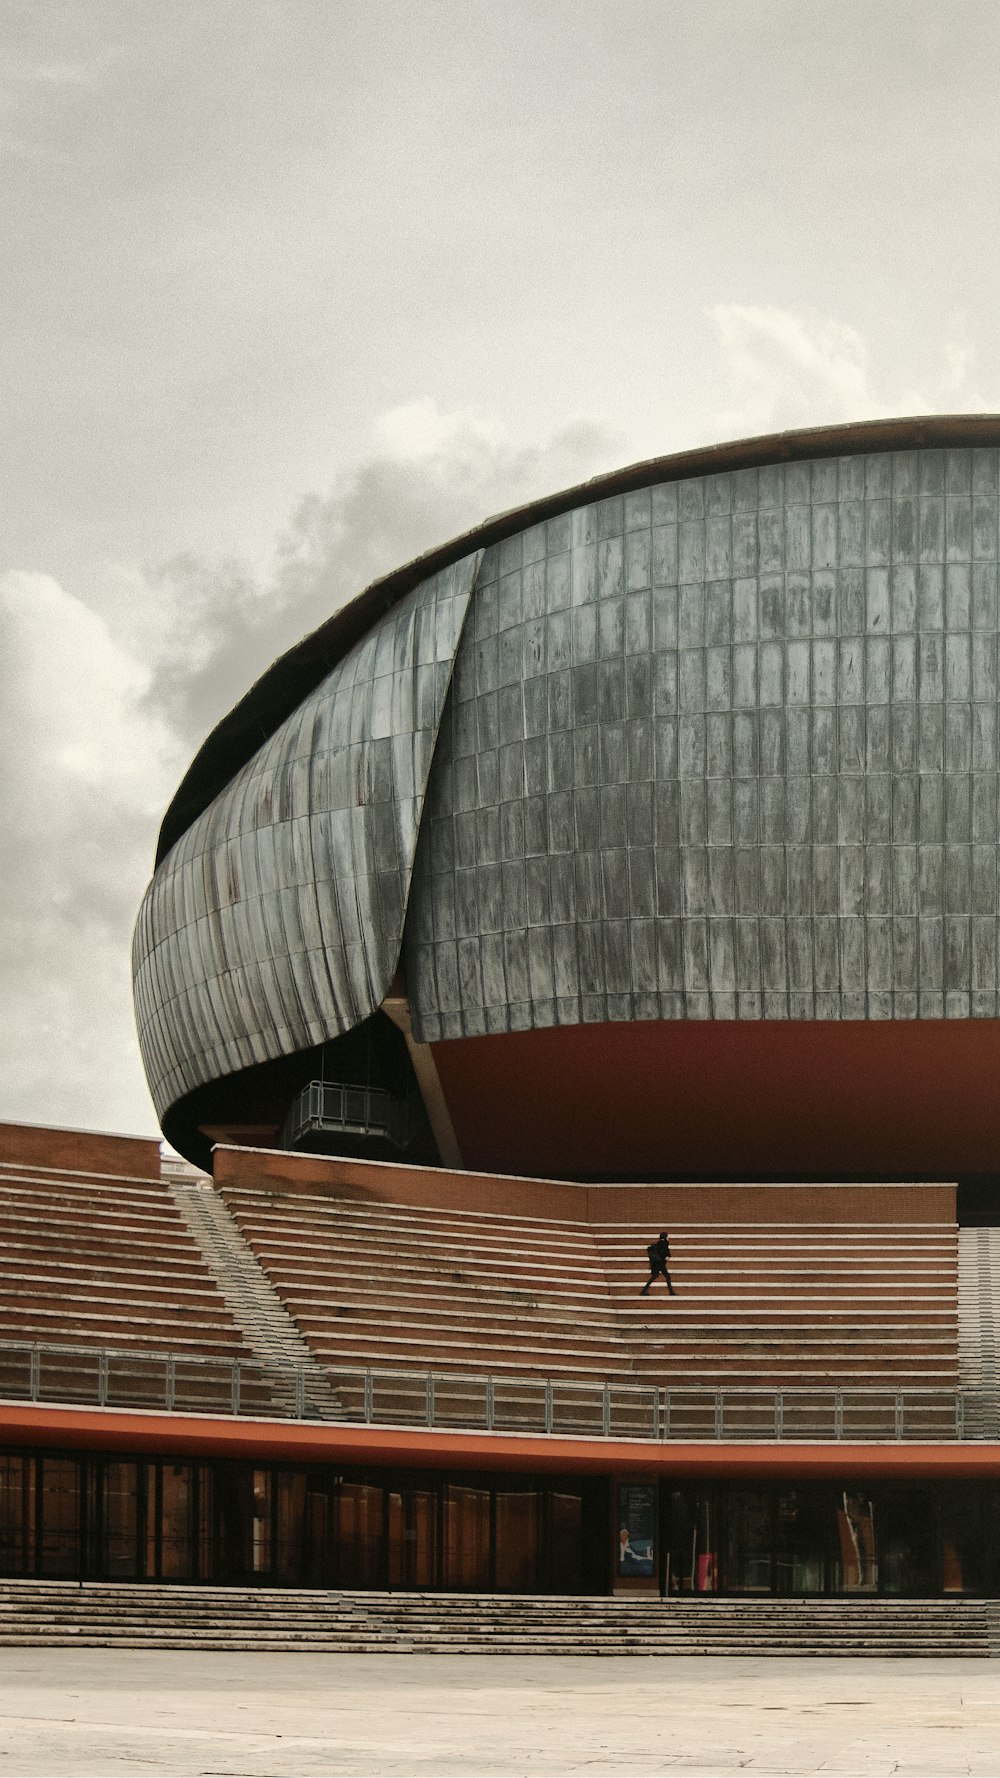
[(94, 1712)]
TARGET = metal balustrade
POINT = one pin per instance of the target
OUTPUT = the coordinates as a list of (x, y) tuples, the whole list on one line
[(170, 1382), (325, 1106)]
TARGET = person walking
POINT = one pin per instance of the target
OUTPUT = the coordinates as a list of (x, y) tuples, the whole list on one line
[(658, 1252)]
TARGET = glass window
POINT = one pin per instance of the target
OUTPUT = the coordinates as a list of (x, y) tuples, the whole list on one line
[(692, 1555), (261, 1532), (320, 1540), (120, 1519), (60, 1541), (857, 1568), (804, 1539), (176, 1521), (467, 1539), (152, 1519), (291, 1525), (908, 1553), (17, 1515), (205, 1476), (969, 1546), (413, 1538), (565, 1543), (517, 1541), (748, 1542), (360, 1537)]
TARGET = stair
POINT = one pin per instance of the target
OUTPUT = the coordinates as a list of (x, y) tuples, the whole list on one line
[(979, 1327), (255, 1306), (59, 1614)]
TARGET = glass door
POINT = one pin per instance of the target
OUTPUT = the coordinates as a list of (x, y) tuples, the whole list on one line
[(803, 1540), (413, 1539), (467, 1539), (749, 1542), (517, 1523), (59, 1544), (120, 1520), (692, 1549), (909, 1552)]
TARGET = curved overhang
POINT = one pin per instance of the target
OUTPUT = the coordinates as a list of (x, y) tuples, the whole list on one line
[(197, 1435), (273, 697)]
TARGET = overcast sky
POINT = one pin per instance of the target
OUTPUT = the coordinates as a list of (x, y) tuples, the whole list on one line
[(292, 289)]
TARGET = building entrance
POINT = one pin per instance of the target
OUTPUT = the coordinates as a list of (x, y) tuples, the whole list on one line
[(812, 1538)]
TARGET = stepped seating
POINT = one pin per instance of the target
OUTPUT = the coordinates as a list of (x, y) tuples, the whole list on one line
[(801, 1307), (103, 1262), (56, 1614), (100, 1261), (797, 1307), (467, 1295)]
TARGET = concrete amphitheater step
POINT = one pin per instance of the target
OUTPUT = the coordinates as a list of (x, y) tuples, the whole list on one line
[(116, 1615)]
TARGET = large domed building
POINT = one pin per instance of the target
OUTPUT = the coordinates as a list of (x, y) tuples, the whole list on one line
[(647, 833), (628, 865)]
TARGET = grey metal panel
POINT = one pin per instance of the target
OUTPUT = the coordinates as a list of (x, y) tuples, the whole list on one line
[(277, 919), (733, 742)]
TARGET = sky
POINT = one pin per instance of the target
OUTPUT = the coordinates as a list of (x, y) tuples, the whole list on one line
[(291, 290)]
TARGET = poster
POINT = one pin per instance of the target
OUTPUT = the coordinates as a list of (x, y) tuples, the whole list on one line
[(636, 1535)]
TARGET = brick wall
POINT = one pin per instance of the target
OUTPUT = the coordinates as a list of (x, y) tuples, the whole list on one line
[(80, 1151)]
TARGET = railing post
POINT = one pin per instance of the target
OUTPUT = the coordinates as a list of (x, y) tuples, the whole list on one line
[(491, 1403), (300, 1392), (102, 1379), (429, 1397), (170, 1384), (718, 1414), (369, 1398), (606, 1410), (960, 1415), (898, 1416), (234, 1386), (35, 1378), (548, 1404), (666, 1413), (779, 1416), (838, 1415)]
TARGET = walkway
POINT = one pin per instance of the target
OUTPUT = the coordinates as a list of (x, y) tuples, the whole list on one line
[(92, 1714)]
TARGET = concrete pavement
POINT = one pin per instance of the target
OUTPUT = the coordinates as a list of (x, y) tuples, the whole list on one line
[(92, 1713)]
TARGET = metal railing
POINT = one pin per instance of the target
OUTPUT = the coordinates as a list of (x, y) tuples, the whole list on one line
[(170, 1382), (338, 1107)]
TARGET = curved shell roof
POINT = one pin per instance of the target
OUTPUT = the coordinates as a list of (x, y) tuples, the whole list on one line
[(297, 671), (715, 738)]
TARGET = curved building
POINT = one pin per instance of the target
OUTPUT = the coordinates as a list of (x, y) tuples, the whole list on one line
[(630, 864), (650, 832)]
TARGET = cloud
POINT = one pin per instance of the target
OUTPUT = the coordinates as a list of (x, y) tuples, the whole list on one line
[(106, 693), (84, 766), (789, 368), (430, 474)]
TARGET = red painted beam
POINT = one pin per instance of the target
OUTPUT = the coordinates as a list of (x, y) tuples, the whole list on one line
[(268, 1440)]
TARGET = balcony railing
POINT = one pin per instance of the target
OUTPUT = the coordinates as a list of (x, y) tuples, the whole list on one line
[(165, 1382), (335, 1108)]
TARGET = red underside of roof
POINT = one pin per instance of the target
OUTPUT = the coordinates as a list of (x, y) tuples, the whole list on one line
[(907, 1099)]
